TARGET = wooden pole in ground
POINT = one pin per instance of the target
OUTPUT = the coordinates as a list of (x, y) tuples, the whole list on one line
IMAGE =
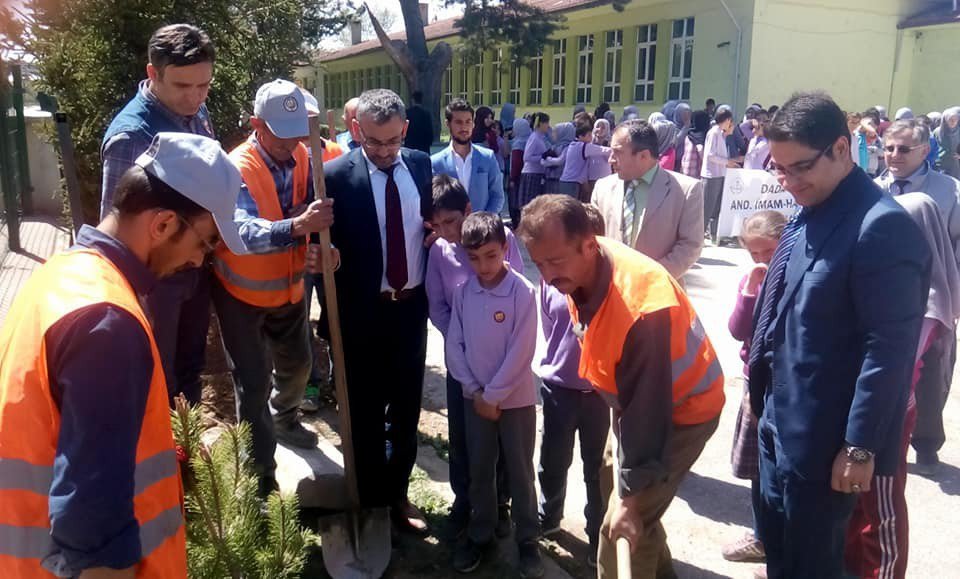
[(624, 570)]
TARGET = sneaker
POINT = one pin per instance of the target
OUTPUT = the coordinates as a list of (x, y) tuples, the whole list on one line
[(295, 434), (748, 549), (927, 463), (504, 523), (530, 564), (311, 397), (467, 555), (549, 528)]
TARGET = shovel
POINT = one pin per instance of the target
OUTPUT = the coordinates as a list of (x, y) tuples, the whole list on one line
[(624, 570), (355, 543)]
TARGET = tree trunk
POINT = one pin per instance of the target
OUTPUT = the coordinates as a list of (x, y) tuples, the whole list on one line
[(423, 70)]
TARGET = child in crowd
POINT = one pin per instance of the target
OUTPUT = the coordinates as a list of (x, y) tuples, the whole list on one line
[(490, 346), (447, 269), (760, 236), (503, 150), (758, 151), (570, 404), (574, 178), (532, 174), (553, 160)]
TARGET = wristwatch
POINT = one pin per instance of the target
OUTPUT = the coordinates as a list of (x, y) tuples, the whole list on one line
[(858, 455)]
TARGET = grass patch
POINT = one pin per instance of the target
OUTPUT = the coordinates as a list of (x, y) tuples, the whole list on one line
[(439, 444)]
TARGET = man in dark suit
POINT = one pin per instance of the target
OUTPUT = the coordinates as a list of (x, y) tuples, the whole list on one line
[(836, 329), (382, 195)]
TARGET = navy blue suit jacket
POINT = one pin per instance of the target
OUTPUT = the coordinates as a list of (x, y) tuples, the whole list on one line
[(842, 346), (356, 230)]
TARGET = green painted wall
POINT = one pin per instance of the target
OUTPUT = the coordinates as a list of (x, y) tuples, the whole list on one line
[(846, 48), (927, 76)]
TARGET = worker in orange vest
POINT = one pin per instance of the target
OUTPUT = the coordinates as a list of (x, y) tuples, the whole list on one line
[(259, 297), (89, 483), (645, 351)]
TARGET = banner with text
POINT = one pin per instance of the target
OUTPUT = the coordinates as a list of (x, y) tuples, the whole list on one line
[(747, 191)]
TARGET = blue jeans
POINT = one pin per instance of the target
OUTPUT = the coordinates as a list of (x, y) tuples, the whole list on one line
[(802, 522), (566, 411)]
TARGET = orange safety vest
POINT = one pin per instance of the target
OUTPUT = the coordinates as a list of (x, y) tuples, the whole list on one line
[(639, 286), (30, 424), (331, 150), (272, 279)]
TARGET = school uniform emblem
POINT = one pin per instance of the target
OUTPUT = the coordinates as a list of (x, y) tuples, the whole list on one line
[(499, 317), (290, 104)]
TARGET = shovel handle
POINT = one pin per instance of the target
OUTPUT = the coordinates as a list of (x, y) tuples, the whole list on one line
[(624, 570), (333, 319)]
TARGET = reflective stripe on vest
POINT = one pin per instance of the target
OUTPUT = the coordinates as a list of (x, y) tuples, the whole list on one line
[(30, 420), (638, 287), (274, 278)]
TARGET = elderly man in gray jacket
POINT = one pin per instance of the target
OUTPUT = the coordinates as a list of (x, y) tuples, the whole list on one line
[(906, 144), (655, 211)]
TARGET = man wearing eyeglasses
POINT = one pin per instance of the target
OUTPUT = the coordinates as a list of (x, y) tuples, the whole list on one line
[(383, 196), (259, 297), (836, 327), (906, 146)]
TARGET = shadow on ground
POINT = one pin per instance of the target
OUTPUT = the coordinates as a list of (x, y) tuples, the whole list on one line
[(947, 477), (701, 492)]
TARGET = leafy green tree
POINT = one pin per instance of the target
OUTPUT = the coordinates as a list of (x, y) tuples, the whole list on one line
[(91, 54)]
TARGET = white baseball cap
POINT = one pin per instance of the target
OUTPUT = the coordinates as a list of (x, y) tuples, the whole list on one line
[(281, 105), (200, 170)]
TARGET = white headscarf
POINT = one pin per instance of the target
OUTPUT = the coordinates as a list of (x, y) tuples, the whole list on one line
[(903, 113)]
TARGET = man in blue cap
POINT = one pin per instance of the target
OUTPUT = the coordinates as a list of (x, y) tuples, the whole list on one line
[(171, 98), (259, 297), (86, 448)]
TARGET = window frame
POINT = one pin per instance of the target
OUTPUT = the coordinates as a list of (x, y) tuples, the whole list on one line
[(679, 86), (558, 88), (612, 74), (585, 52)]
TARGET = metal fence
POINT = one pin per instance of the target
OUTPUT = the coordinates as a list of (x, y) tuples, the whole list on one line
[(14, 162)]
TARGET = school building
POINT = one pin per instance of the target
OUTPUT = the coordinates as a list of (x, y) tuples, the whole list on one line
[(863, 52)]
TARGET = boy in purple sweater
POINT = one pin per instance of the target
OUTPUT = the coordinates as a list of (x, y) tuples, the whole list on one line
[(490, 346), (448, 268), (570, 404)]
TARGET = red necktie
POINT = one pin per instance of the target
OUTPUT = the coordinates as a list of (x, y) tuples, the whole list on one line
[(396, 242)]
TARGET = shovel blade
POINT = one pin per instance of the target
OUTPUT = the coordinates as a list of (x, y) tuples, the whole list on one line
[(356, 544)]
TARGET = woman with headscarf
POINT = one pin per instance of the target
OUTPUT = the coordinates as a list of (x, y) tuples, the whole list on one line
[(656, 117), (948, 136), (692, 160), (934, 117), (668, 108), (521, 132), (507, 114), (563, 135), (611, 118), (599, 167), (630, 112), (577, 110), (681, 118), (877, 536), (601, 110), (666, 143), (482, 128), (903, 114)]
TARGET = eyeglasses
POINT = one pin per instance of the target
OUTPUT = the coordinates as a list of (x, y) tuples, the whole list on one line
[(208, 247), (798, 169), (901, 149), (375, 144)]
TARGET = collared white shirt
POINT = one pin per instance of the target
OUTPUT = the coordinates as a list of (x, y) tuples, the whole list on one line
[(464, 166), (412, 219)]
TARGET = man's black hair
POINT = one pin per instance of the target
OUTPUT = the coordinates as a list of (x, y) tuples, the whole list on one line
[(457, 105), (811, 119), (481, 228), (179, 45), (723, 116), (449, 194), (642, 136), (140, 191)]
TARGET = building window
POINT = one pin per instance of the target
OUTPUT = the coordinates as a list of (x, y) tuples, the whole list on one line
[(496, 81), (681, 59), (448, 84), (611, 67), (646, 63), (559, 71), (515, 84), (478, 81), (584, 69), (463, 77), (536, 79)]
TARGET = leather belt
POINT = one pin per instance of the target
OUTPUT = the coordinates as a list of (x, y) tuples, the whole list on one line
[(398, 296)]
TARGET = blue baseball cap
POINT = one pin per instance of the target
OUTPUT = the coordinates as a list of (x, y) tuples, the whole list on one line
[(313, 106), (200, 170), (280, 104)]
